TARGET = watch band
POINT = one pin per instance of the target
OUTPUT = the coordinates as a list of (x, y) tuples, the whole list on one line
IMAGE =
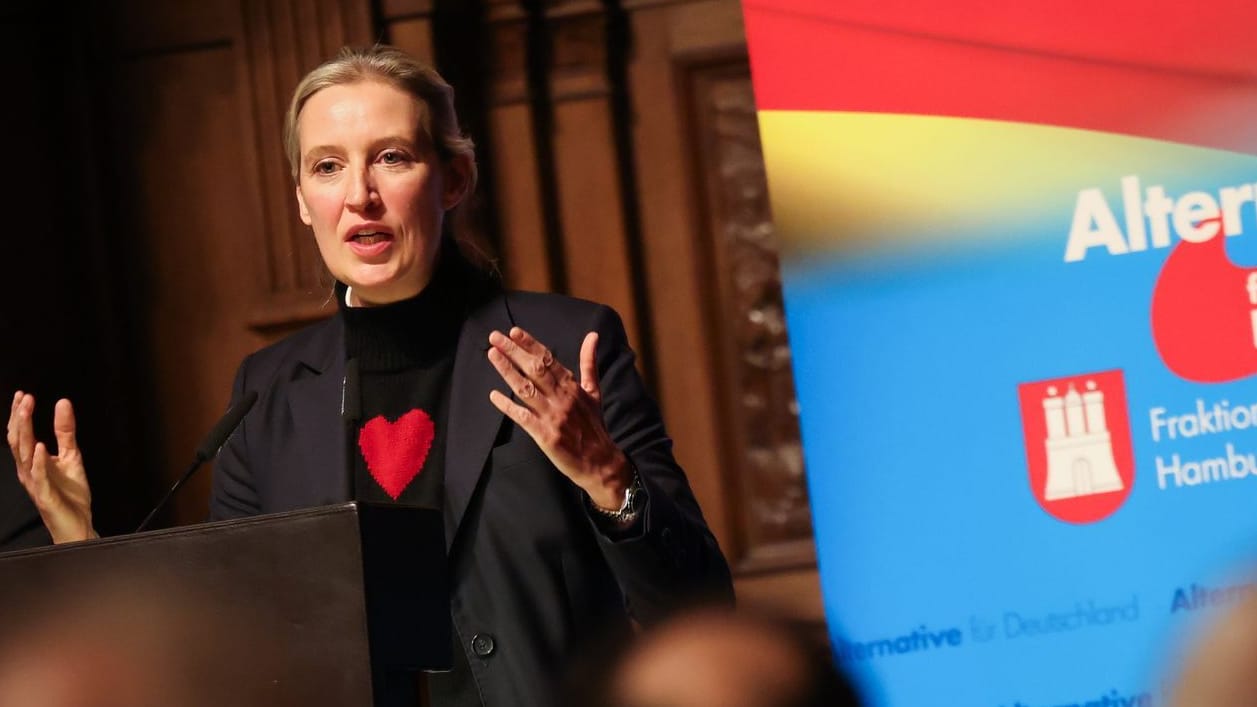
[(630, 509)]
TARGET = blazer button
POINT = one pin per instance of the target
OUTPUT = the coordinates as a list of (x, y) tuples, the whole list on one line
[(482, 645)]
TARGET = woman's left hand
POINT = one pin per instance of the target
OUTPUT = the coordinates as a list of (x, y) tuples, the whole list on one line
[(563, 415)]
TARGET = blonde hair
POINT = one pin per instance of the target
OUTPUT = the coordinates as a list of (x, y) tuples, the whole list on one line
[(437, 119)]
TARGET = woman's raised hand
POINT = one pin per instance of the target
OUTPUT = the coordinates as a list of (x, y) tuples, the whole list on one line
[(56, 483), (562, 414)]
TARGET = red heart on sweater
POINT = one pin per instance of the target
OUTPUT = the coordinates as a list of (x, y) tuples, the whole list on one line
[(395, 451)]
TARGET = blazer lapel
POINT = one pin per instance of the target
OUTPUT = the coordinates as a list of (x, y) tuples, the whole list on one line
[(318, 463), (473, 421), (315, 403)]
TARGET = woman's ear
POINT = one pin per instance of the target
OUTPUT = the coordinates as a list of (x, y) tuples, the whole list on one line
[(301, 207), (457, 181)]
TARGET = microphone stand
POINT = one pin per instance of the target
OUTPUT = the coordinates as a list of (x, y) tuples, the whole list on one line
[(208, 449)]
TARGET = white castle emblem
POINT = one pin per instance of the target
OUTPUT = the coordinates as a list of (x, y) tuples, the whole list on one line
[(1079, 447)]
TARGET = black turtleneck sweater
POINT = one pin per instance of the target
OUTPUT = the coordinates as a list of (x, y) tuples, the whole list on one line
[(405, 353)]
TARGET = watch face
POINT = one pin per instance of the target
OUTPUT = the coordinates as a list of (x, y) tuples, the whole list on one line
[(634, 498)]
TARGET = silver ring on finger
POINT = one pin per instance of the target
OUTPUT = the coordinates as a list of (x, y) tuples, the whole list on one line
[(539, 368)]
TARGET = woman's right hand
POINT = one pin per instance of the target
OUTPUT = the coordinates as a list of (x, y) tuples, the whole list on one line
[(56, 484)]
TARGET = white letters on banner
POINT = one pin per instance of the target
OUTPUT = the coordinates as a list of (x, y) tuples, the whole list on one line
[(1150, 215)]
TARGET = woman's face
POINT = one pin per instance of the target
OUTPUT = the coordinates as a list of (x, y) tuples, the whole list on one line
[(371, 187)]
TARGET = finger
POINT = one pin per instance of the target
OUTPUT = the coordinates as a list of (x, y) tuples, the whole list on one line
[(10, 429), (523, 387), (17, 399), (529, 364), (521, 415), (25, 431), (12, 438), (63, 427), (543, 361), (589, 365), (526, 341), (15, 415), (38, 476)]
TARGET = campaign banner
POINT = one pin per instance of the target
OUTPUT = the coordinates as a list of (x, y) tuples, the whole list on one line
[(1019, 248)]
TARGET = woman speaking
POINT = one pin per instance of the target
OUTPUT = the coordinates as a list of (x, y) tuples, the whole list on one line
[(520, 415)]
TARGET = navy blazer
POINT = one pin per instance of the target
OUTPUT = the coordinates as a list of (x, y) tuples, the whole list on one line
[(529, 568)]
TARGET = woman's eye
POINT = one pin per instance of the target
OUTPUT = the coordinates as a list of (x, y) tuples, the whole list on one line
[(392, 157), (325, 167)]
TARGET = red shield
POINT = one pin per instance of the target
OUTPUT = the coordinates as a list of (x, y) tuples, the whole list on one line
[(1078, 446)]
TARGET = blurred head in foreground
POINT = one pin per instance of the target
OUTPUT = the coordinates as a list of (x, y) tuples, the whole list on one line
[(128, 644), (1221, 670), (720, 658)]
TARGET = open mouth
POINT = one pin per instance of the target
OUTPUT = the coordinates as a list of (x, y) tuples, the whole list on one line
[(370, 237), (370, 243)]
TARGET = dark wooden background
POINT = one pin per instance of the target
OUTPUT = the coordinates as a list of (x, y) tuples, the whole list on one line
[(152, 239)]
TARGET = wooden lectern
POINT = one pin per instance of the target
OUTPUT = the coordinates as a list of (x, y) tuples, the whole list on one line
[(347, 602)]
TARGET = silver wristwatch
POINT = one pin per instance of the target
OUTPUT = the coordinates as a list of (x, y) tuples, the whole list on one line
[(634, 500)]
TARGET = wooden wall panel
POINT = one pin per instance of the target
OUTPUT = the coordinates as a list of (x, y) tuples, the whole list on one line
[(747, 325), (194, 232), (395, 9), (670, 225), (523, 233), (511, 146), (408, 25), (414, 36), (723, 366), (591, 210)]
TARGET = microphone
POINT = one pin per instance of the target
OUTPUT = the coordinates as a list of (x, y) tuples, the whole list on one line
[(208, 448), (351, 415), (351, 393)]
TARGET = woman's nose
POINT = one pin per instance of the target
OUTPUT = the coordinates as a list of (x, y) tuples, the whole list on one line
[(361, 194)]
